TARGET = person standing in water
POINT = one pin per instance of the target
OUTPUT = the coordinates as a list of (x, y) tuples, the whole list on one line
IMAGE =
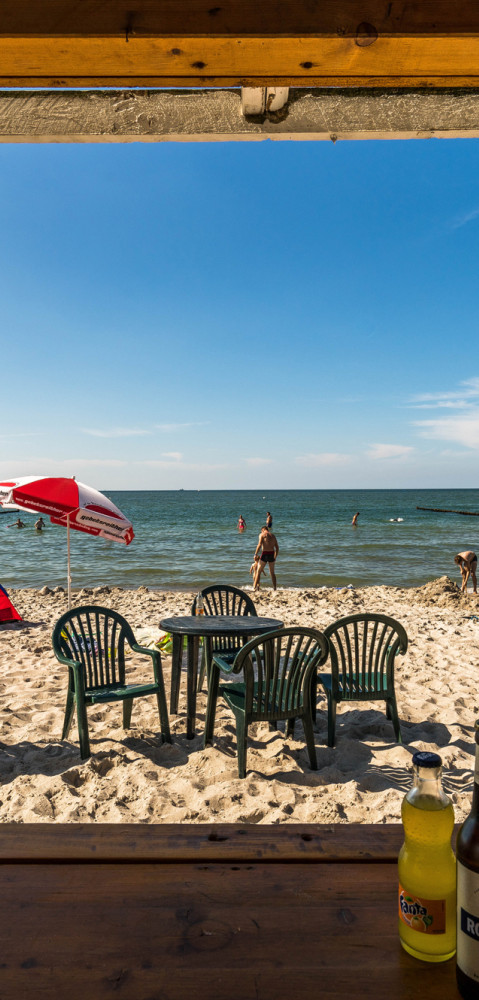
[(355, 520), (266, 554), (241, 523), (16, 524), (40, 524), (467, 562), (269, 520)]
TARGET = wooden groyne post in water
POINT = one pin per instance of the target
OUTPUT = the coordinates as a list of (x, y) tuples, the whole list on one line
[(441, 510)]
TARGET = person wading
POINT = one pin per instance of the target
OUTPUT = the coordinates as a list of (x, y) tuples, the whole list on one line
[(266, 554)]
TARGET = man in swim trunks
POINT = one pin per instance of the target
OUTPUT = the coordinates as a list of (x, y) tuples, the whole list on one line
[(266, 553), (467, 562)]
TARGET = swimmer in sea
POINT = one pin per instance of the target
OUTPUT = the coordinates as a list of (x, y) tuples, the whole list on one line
[(16, 524), (40, 524), (241, 523), (269, 520), (467, 562), (355, 520), (266, 554)]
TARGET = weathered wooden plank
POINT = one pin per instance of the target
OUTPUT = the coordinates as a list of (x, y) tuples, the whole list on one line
[(96, 842), (241, 60), (215, 115), (243, 932), (343, 18)]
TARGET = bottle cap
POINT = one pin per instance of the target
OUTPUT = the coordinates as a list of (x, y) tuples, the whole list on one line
[(423, 758)]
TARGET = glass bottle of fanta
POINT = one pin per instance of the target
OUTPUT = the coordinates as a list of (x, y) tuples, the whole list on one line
[(427, 866)]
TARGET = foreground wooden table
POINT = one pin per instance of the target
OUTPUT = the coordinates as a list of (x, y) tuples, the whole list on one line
[(206, 912)]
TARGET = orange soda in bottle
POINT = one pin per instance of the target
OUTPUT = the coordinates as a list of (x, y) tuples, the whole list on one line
[(427, 866)]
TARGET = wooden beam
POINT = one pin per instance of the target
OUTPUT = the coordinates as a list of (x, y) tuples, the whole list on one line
[(182, 43), (215, 115)]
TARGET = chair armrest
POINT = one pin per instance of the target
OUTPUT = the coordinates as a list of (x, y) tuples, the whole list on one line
[(73, 664), (144, 649), (153, 653), (224, 666)]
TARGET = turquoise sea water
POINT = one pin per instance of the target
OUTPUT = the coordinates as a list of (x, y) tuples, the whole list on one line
[(186, 539)]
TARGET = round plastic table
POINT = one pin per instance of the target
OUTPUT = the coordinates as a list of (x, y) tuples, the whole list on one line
[(207, 627)]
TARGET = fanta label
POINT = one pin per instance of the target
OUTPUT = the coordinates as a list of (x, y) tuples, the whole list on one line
[(428, 916)]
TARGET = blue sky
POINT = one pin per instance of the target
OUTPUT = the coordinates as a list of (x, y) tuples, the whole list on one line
[(234, 315)]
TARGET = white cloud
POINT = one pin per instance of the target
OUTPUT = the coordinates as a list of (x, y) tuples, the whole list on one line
[(157, 463), (462, 427), (175, 456), (462, 398), (258, 461), (178, 427), (116, 432), (463, 430), (55, 467), (21, 434), (380, 451), (323, 458), (462, 220)]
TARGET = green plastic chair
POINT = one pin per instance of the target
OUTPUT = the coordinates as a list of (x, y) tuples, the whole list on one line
[(278, 668), (91, 642), (363, 649), (223, 599)]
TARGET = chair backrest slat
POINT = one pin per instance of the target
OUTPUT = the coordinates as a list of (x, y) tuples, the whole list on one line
[(362, 650), (94, 637), (283, 662)]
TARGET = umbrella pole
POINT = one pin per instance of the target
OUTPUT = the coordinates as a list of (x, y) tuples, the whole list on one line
[(69, 579)]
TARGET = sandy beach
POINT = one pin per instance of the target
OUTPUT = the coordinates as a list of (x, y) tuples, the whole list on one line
[(132, 777)]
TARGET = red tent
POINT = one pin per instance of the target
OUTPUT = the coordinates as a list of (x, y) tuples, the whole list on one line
[(7, 612)]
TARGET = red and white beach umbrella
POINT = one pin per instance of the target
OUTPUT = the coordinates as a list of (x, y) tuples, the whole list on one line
[(71, 504)]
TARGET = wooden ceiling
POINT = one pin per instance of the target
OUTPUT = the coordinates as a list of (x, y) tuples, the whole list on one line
[(213, 43)]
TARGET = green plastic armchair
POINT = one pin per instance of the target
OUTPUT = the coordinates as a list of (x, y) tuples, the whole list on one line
[(223, 599), (91, 642), (278, 668), (363, 649)]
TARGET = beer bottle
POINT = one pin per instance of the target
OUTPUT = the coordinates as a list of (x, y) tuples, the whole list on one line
[(200, 610), (427, 866), (467, 851)]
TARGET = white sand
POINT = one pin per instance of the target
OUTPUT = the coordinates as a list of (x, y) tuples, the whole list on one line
[(131, 777)]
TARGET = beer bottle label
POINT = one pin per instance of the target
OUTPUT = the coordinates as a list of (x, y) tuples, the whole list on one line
[(428, 916), (468, 922)]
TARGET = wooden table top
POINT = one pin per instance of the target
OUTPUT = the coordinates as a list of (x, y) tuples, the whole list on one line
[(214, 912), (218, 625)]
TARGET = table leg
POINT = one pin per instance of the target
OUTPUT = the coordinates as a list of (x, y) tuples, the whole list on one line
[(193, 646), (176, 658)]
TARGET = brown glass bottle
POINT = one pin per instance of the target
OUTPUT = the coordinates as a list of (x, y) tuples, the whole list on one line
[(468, 895)]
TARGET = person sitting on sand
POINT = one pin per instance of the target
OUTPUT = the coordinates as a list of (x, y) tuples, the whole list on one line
[(355, 520), (467, 562), (40, 524), (16, 524), (266, 554)]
